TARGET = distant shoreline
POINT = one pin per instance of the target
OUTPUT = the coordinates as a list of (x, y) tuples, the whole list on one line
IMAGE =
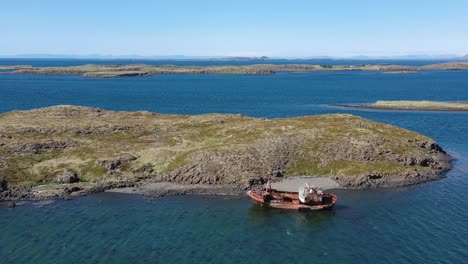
[(231, 58), (109, 71), (411, 106)]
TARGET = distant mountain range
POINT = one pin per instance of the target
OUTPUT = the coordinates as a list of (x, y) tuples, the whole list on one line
[(184, 57), (407, 57), (100, 56)]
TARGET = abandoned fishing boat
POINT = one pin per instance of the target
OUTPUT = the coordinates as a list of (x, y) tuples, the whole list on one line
[(307, 198)]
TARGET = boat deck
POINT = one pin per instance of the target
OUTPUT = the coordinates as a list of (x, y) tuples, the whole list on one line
[(289, 200)]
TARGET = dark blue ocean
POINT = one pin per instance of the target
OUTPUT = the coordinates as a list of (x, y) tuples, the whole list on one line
[(427, 223)]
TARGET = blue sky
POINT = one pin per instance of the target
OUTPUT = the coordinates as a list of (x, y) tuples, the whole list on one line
[(234, 28)]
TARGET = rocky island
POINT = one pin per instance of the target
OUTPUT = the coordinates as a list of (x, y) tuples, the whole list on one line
[(108, 71), (412, 106), (62, 151)]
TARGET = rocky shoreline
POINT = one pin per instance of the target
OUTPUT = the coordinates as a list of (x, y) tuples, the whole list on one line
[(19, 196), (11, 197)]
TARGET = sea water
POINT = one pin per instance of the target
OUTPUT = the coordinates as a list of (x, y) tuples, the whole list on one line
[(422, 223)]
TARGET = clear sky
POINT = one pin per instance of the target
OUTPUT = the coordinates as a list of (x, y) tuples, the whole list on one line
[(293, 28)]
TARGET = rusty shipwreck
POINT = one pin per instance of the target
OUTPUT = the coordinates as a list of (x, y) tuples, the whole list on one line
[(307, 198)]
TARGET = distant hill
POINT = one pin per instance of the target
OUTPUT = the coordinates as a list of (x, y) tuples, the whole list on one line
[(231, 58), (240, 58)]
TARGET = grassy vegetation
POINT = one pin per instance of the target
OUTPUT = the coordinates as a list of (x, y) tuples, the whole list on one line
[(229, 148), (107, 71)]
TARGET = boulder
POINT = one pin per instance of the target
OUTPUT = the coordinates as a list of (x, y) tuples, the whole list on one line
[(115, 165), (3, 185), (248, 184), (75, 189), (68, 177), (66, 190)]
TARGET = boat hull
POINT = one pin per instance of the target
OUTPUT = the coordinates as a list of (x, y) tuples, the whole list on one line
[(289, 200)]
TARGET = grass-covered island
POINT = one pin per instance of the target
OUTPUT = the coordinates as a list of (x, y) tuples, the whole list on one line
[(412, 105), (71, 150), (107, 71)]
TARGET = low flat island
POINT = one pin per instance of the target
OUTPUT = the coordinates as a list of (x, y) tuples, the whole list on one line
[(108, 71), (411, 105), (64, 151)]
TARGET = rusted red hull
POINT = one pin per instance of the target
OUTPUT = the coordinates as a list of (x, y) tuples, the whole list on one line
[(289, 200)]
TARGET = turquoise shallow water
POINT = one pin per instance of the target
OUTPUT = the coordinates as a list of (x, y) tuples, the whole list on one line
[(426, 223)]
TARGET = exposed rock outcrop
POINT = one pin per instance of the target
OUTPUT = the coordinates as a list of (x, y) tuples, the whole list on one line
[(39, 148), (68, 177), (269, 158), (115, 165)]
